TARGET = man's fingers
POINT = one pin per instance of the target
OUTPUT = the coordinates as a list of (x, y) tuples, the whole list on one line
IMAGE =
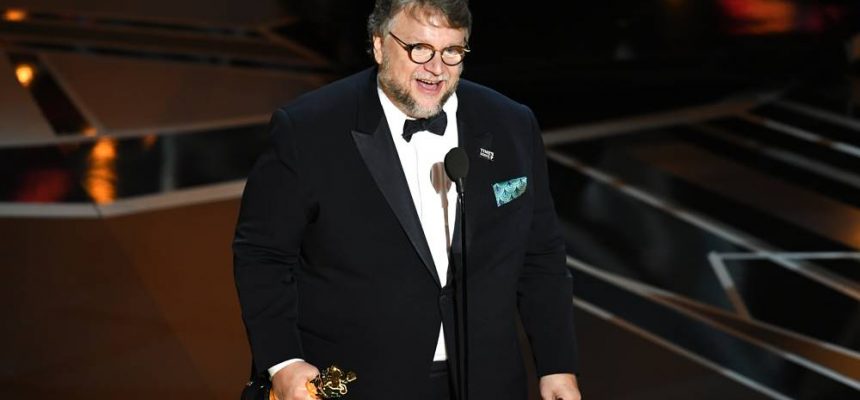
[(290, 383), (298, 394), (573, 395), (559, 387), (560, 394), (301, 393)]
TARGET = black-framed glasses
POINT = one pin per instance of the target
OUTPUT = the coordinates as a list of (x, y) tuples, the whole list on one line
[(422, 53)]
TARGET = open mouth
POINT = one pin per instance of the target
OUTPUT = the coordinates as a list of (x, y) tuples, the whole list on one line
[(428, 85)]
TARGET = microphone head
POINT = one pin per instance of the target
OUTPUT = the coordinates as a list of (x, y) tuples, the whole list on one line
[(457, 164)]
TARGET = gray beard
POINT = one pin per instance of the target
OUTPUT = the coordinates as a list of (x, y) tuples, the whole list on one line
[(402, 99)]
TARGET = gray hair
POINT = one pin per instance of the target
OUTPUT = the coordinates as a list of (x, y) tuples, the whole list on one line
[(455, 11)]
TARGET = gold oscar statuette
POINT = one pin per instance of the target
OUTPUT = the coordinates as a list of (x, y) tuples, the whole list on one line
[(331, 383)]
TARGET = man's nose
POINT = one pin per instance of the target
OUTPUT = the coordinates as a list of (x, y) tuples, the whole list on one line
[(435, 65)]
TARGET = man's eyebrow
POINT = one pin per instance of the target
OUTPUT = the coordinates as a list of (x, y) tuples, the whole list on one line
[(456, 44)]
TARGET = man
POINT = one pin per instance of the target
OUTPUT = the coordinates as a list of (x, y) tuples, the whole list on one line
[(342, 244)]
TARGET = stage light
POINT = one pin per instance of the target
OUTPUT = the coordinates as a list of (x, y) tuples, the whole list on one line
[(149, 141), (14, 15), (90, 131), (25, 74), (100, 180), (760, 17), (44, 185), (104, 150)]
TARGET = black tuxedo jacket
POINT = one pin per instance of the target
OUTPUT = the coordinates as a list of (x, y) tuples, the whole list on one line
[(331, 264)]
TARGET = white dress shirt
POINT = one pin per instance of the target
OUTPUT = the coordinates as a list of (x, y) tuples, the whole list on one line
[(417, 158)]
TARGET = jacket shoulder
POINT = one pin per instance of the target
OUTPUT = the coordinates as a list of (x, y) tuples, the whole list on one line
[(333, 99), (492, 100)]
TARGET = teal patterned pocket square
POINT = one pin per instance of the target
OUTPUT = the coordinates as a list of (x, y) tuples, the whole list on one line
[(509, 190)]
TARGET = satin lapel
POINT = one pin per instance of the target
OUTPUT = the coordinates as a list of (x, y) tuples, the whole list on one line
[(379, 154), (472, 139)]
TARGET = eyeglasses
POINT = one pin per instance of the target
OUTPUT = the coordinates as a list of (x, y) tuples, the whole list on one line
[(422, 53)]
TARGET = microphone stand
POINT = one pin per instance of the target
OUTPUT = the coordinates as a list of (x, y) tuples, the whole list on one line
[(460, 299), (457, 167)]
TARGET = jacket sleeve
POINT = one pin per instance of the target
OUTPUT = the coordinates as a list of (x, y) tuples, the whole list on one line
[(275, 210), (545, 291)]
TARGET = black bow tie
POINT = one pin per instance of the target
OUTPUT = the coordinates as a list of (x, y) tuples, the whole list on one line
[(435, 124)]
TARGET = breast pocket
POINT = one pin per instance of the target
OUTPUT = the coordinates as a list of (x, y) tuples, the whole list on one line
[(509, 190), (506, 218)]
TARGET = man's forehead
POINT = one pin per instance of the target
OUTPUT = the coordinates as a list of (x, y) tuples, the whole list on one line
[(423, 16), (428, 15)]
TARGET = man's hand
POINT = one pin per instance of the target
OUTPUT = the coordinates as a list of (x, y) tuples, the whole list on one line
[(290, 382), (559, 387)]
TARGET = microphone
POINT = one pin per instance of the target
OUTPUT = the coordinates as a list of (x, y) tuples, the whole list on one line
[(457, 167)]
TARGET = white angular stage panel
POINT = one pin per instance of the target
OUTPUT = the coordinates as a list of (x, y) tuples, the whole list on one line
[(20, 117), (123, 94)]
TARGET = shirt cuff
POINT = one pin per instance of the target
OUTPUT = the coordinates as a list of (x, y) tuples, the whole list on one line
[(277, 367)]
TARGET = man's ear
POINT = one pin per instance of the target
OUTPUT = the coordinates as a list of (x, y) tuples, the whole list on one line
[(377, 49)]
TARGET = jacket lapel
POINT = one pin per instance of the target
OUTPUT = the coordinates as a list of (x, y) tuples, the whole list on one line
[(373, 140), (472, 139)]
